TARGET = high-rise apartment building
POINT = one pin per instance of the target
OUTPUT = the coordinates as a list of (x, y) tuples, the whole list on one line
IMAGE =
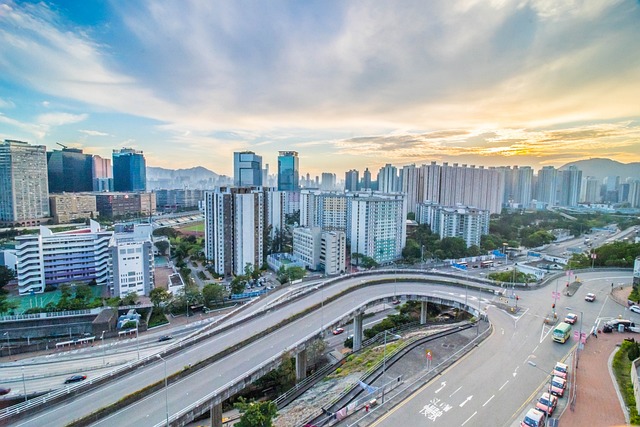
[(247, 169), (590, 190), (464, 222), (234, 228), (129, 170), (52, 259), (634, 193), (333, 252), (328, 181), (546, 185), (366, 180), (388, 179), (351, 180), (288, 171), (569, 181), (69, 170), (24, 190), (378, 226)]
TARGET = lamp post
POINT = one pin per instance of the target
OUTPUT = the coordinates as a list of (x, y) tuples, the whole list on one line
[(166, 390), (531, 363), (579, 339), (137, 343), (24, 384), (103, 349), (8, 342), (384, 356)]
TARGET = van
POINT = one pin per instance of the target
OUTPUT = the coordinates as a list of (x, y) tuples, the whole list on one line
[(558, 386), (547, 403), (561, 370), (534, 418)]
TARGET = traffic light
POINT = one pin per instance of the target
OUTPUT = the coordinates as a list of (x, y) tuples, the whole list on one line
[(553, 305)]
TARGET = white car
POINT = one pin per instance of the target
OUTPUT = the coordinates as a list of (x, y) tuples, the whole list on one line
[(590, 297), (635, 309)]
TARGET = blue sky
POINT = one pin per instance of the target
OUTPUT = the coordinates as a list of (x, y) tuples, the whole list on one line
[(346, 84)]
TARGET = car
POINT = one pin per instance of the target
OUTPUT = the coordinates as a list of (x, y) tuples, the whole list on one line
[(338, 331), (75, 379), (547, 403), (590, 297), (558, 386), (533, 418), (615, 323), (395, 302), (561, 370), (165, 338), (4, 390), (571, 318), (635, 308)]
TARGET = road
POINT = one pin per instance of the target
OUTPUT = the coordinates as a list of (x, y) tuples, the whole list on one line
[(475, 392)]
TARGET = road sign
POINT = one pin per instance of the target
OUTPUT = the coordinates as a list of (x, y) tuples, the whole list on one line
[(429, 355), (576, 335), (555, 295)]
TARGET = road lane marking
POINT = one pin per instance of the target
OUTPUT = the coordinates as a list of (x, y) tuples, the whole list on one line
[(505, 383), (485, 403), (455, 391), (472, 415), (534, 350)]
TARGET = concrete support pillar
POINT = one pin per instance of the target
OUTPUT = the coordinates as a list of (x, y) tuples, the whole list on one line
[(216, 415), (423, 312), (301, 365), (357, 332)]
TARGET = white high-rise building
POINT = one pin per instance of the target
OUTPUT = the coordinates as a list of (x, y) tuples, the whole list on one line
[(467, 223), (634, 193), (234, 228), (378, 226), (132, 262), (49, 258), (411, 184), (590, 190), (546, 185), (333, 252), (570, 181), (24, 188), (388, 179)]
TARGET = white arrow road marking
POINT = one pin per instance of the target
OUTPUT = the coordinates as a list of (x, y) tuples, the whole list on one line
[(466, 400), (442, 385)]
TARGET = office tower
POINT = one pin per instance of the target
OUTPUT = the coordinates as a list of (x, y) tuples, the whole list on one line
[(247, 169), (169, 200), (378, 226), (464, 222), (351, 180), (288, 171), (52, 259), (69, 170), (129, 170), (24, 191), (366, 180), (132, 264), (388, 179), (328, 181), (234, 228), (102, 174), (546, 186), (569, 186), (69, 207), (590, 190)]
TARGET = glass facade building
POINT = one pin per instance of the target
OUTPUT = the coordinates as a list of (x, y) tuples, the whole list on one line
[(129, 170), (247, 169), (288, 171), (70, 171)]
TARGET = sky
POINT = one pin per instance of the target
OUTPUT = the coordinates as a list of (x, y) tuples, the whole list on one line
[(347, 84)]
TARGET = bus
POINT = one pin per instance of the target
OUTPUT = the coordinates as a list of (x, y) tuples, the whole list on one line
[(562, 332), (486, 264)]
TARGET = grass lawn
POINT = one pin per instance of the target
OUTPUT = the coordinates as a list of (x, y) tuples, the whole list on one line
[(198, 227)]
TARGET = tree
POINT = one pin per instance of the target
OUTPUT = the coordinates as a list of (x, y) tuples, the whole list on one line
[(6, 275), (159, 296), (212, 293), (162, 246), (238, 284), (256, 414), (130, 299)]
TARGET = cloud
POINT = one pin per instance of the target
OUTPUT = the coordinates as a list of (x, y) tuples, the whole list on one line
[(60, 119), (93, 132), (6, 104)]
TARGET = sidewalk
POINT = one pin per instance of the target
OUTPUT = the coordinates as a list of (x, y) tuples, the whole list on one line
[(597, 402)]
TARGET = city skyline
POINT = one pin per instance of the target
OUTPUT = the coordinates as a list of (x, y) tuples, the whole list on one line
[(347, 85)]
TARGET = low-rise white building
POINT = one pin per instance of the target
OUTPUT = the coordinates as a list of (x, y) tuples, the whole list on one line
[(333, 252), (306, 246), (132, 263)]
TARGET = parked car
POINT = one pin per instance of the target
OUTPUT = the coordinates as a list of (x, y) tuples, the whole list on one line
[(4, 390), (613, 324), (534, 418), (558, 386), (571, 318), (75, 379), (635, 308), (590, 297), (547, 403), (561, 370), (165, 338), (338, 331)]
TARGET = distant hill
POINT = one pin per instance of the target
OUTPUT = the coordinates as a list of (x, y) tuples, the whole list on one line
[(197, 173), (601, 168)]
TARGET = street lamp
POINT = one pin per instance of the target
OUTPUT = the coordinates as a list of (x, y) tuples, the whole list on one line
[(531, 363), (8, 342), (24, 384), (103, 349), (166, 390), (579, 339), (384, 356), (137, 343)]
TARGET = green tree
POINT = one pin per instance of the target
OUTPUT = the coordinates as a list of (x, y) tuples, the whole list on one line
[(6, 275), (162, 246), (130, 299), (83, 293), (256, 414), (159, 296), (238, 284), (212, 293)]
